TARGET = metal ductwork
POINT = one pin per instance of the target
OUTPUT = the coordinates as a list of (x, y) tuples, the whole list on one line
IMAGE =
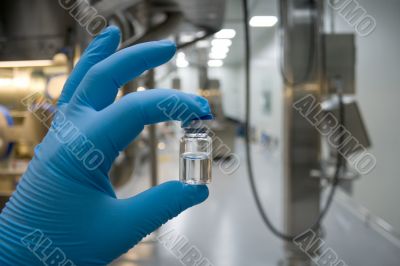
[(33, 29), (37, 29), (149, 20)]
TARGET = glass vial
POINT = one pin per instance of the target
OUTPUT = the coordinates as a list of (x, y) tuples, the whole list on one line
[(195, 155)]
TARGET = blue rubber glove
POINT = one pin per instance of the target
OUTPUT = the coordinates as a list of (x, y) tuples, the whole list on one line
[(65, 211)]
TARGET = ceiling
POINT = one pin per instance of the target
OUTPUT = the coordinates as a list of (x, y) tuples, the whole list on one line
[(233, 20)]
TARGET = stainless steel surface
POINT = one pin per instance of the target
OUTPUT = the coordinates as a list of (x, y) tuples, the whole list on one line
[(301, 25), (354, 122), (302, 72), (301, 192), (153, 154), (340, 60), (153, 141)]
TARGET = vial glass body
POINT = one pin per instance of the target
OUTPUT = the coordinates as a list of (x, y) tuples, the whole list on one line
[(195, 158)]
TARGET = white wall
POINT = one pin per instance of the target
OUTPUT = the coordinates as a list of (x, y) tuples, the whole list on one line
[(265, 78), (378, 94)]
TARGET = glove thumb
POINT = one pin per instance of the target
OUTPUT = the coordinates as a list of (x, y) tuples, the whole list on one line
[(136, 217), (156, 206)]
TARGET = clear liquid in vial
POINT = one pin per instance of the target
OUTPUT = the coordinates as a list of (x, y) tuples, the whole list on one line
[(195, 168)]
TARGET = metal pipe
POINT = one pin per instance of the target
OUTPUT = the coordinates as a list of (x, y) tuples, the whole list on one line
[(152, 136), (172, 22), (107, 8)]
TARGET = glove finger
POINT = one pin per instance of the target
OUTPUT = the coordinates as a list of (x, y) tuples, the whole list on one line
[(125, 119), (100, 86), (100, 48)]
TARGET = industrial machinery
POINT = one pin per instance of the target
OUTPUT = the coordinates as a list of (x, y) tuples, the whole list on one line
[(40, 40), (320, 67), (35, 48)]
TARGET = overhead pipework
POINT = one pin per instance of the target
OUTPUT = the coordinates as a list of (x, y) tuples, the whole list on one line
[(150, 20), (33, 30)]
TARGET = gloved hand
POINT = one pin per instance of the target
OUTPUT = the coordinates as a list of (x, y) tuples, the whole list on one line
[(64, 211)]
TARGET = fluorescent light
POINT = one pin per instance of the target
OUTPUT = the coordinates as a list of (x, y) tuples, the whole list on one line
[(220, 49), (181, 55), (181, 61), (203, 44), (186, 38), (200, 34), (225, 34), (16, 82), (217, 55), (219, 52), (26, 63), (161, 146), (215, 63), (221, 42), (263, 21)]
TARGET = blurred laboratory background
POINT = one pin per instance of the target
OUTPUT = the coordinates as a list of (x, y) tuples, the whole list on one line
[(278, 75)]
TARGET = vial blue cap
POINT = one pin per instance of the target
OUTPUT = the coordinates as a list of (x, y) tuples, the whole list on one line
[(189, 122)]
